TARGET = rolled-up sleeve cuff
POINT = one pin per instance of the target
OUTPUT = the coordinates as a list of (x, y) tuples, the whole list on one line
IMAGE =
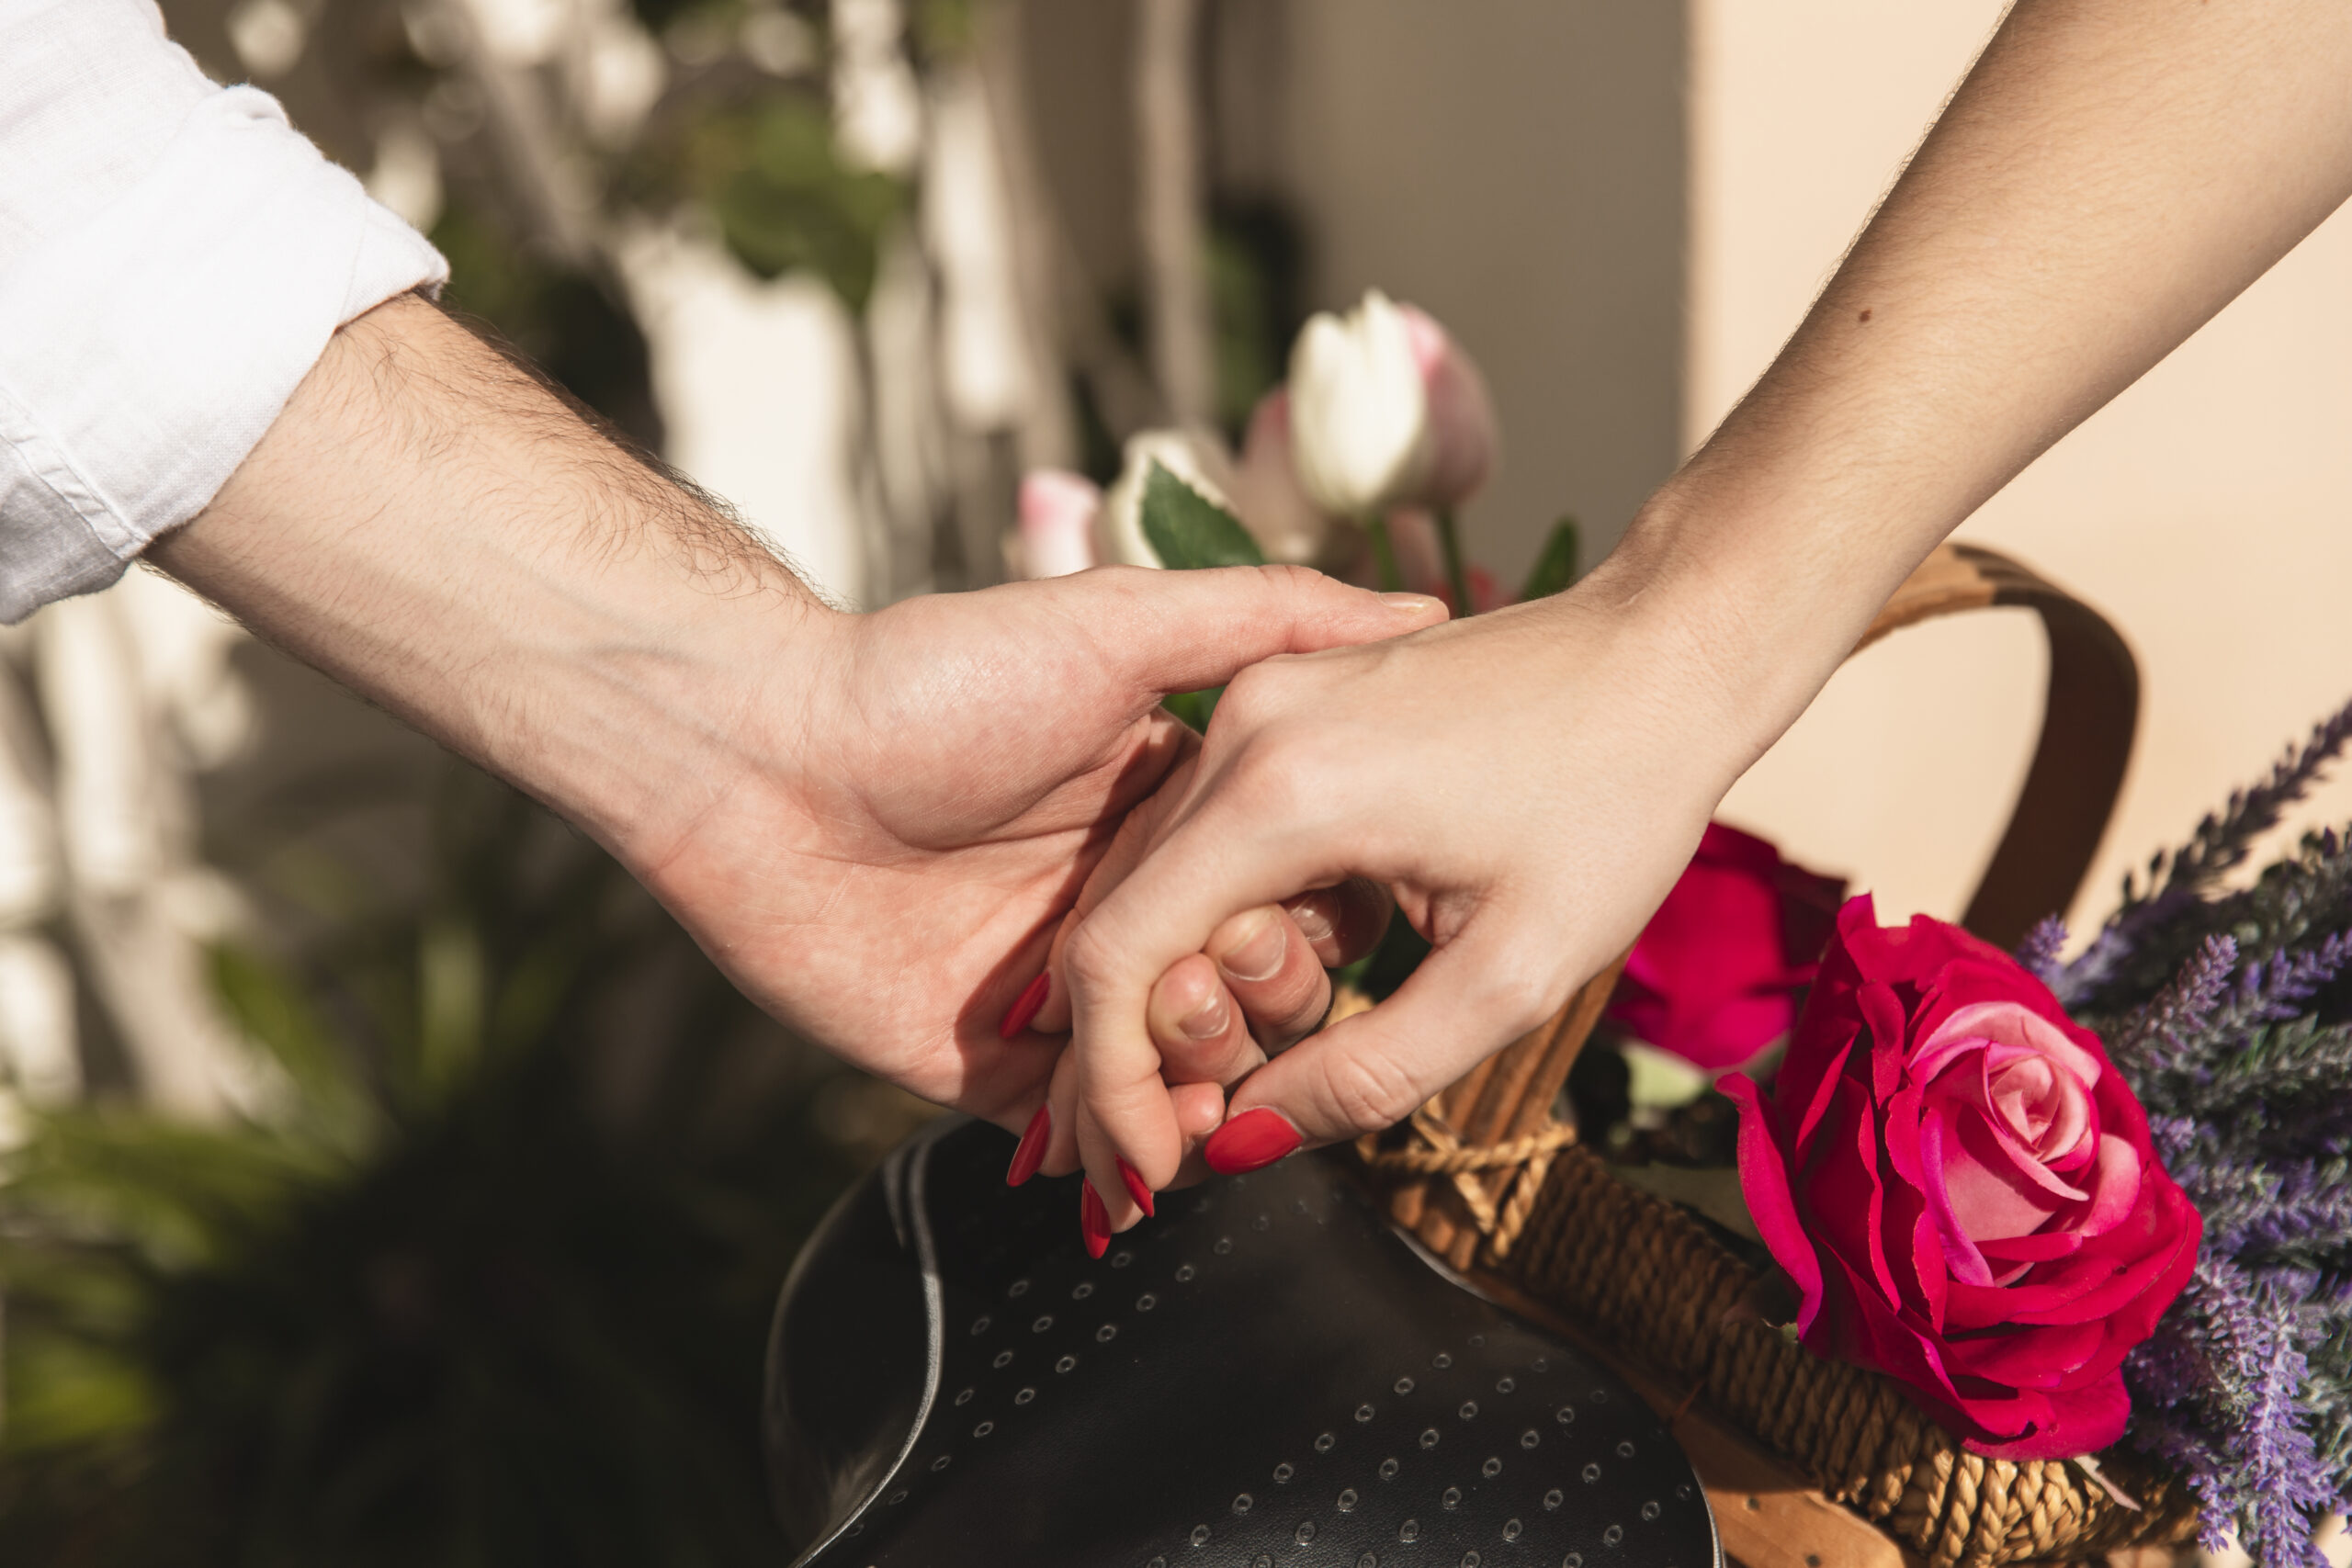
[(144, 351)]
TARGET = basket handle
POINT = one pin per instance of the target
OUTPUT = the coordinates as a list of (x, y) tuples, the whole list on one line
[(2088, 720)]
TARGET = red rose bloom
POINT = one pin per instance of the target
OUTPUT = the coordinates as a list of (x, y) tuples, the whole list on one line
[(1714, 976), (1962, 1188)]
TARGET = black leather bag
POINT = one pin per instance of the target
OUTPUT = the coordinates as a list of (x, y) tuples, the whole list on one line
[(1265, 1374)]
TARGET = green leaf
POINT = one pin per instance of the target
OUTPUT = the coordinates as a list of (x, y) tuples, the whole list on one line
[(280, 1017), (1188, 530), (1458, 571), (1193, 707), (1556, 566)]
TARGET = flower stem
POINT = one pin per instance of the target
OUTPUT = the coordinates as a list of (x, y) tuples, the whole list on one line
[(1383, 554), (1449, 541)]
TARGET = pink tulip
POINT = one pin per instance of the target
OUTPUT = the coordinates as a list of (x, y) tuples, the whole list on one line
[(1057, 512), (1463, 432)]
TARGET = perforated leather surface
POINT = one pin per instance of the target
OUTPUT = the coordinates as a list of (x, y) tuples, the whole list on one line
[(1264, 1375)]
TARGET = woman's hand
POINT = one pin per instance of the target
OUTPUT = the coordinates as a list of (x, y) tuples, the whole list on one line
[(1528, 784), (2111, 173)]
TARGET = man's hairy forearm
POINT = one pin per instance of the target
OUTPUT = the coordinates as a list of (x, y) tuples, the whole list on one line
[(2111, 174), (433, 527)]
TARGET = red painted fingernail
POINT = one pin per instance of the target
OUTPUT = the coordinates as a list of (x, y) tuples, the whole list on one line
[(1137, 1187), (1025, 1005), (1094, 1222), (1253, 1139), (1031, 1152)]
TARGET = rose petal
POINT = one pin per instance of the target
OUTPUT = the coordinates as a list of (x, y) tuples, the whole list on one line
[(1825, 1032), (2038, 1103), (2105, 1274), (1920, 1267), (2114, 1182), (1736, 1029), (1883, 1018), (1864, 1331), (2009, 1023), (1938, 1148), (2038, 1248), (1841, 1192), (1764, 1182), (2077, 1421), (1999, 1151), (1999, 1188), (2037, 1358), (1824, 1092)]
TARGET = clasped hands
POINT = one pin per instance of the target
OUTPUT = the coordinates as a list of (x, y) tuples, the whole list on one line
[(886, 828), (986, 866)]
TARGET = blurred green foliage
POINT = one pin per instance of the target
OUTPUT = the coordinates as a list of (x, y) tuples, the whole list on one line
[(768, 170), (444, 1301), (1256, 264)]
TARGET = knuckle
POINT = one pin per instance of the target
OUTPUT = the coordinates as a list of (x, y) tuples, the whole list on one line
[(1090, 961), (1368, 1092), (1253, 697)]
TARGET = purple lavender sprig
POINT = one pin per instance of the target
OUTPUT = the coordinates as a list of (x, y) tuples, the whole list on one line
[(2038, 953), (2182, 901), (2229, 1011), (2223, 840), (2159, 1039), (2217, 1394)]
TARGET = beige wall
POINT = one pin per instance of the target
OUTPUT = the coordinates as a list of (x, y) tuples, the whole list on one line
[(2205, 511)]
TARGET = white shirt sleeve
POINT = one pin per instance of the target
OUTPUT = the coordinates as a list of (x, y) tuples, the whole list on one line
[(173, 259)]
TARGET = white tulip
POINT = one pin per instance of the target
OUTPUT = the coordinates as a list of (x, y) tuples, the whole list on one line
[(1386, 410), (1196, 457), (1359, 415)]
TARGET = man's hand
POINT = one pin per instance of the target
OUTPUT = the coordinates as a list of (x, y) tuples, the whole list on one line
[(906, 834), (874, 824)]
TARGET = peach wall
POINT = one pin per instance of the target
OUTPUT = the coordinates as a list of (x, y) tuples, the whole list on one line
[(2206, 510)]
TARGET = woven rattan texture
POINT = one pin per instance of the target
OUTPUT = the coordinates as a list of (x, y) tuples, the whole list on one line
[(1653, 1284)]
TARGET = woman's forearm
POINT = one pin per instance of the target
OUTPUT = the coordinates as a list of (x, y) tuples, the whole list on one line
[(2109, 176)]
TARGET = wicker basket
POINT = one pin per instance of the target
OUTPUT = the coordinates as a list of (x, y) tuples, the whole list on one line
[(1809, 1463)]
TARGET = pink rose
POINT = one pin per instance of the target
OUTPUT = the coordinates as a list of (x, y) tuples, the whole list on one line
[(1962, 1188), (1714, 976), (1058, 511)]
